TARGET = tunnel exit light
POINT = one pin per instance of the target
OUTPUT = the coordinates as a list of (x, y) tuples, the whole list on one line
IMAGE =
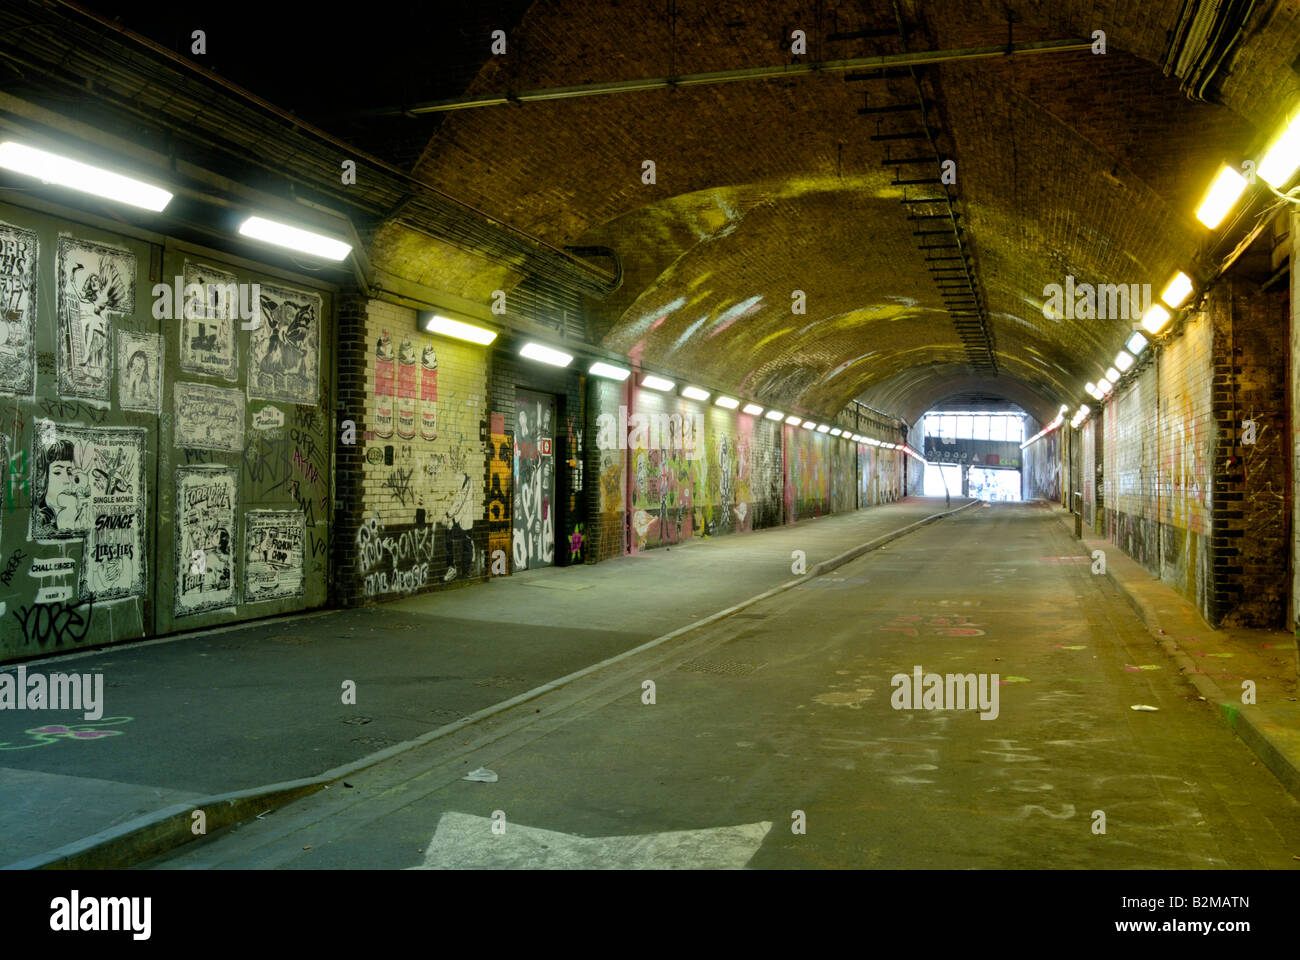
[(446, 327), (1223, 193), (294, 238), (535, 351), (66, 172)]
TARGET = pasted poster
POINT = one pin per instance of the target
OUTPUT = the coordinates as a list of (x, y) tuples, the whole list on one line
[(139, 371), (205, 538), (96, 289), (406, 390), (284, 350), (88, 483), (208, 417), (429, 393), (384, 386), (18, 256), (207, 322), (273, 542)]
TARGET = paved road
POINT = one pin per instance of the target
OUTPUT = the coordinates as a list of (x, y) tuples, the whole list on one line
[(787, 707)]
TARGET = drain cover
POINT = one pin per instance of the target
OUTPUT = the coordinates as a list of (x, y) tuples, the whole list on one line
[(357, 720)]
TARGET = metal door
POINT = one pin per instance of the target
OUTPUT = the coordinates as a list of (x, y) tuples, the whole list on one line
[(533, 518)]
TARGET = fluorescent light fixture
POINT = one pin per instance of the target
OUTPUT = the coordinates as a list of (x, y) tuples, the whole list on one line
[(774, 415), (1180, 287), (1064, 409), (752, 409), (446, 327), (1112, 374), (1136, 343), (794, 419), (731, 403), (809, 424), (66, 172), (1091, 390), (1283, 157), (304, 241), (837, 432), (1223, 193), (535, 351), (656, 383), (695, 393), (823, 429), (872, 441), (1104, 386), (1155, 318), (607, 370), (1123, 360)]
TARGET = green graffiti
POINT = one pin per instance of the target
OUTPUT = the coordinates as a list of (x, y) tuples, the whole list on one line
[(54, 732)]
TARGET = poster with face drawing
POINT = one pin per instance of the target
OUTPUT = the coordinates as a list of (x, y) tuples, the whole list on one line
[(273, 554), (284, 351), (205, 538), (18, 249), (208, 417), (139, 371), (88, 483), (207, 323), (96, 290)]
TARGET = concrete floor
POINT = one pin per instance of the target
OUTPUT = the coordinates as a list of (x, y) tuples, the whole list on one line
[(786, 707)]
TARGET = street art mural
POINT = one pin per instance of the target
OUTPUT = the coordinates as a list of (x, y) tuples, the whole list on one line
[(139, 371), (498, 503), (96, 290), (533, 516), (206, 323), (88, 484), (284, 349), (808, 474), (429, 393), (394, 560), (406, 390), (18, 266), (206, 542), (273, 554), (385, 386)]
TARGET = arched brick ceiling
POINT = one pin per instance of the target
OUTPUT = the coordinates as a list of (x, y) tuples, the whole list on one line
[(1066, 164)]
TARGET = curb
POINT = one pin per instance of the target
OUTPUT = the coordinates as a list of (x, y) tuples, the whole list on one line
[(154, 834), (1248, 721)]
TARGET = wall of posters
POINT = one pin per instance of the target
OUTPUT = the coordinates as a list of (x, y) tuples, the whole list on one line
[(139, 371), (18, 261), (207, 324), (205, 538), (96, 290), (88, 483), (284, 350), (273, 542), (208, 418)]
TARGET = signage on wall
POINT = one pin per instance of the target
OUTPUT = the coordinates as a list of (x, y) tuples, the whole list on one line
[(544, 446)]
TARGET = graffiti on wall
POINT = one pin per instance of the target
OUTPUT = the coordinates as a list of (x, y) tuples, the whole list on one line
[(397, 560), (88, 484), (96, 287), (406, 388), (385, 386), (498, 505), (284, 349), (18, 261), (208, 417), (207, 321), (273, 554), (533, 532), (205, 538)]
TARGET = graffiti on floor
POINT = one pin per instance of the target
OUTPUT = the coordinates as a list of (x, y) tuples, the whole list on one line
[(52, 733)]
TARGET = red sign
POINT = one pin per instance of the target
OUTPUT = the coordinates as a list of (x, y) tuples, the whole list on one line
[(545, 443)]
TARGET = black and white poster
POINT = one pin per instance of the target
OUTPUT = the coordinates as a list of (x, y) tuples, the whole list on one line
[(284, 350), (207, 323), (273, 542), (96, 290), (139, 371), (18, 257), (208, 417), (88, 483), (205, 538)]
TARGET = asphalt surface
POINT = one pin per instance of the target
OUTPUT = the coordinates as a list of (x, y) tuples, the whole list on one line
[(242, 707), (780, 718)]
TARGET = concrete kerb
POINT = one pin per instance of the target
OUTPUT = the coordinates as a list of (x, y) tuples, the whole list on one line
[(154, 834), (1247, 721)]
